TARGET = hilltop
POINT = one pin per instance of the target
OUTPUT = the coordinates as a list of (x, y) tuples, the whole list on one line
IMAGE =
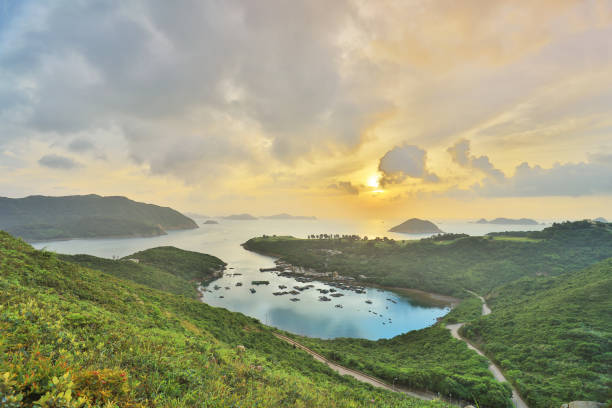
[(40, 218), (78, 337), (165, 268), (416, 226), (240, 217)]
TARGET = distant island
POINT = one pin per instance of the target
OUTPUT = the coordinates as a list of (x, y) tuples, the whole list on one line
[(285, 216), (210, 222), (601, 219), (240, 217), (508, 221), (416, 226), (41, 218)]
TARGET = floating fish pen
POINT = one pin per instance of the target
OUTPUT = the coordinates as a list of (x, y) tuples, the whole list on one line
[(268, 269), (260, 282)]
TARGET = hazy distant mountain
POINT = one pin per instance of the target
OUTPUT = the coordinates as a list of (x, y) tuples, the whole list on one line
[(416, 226), (39, 218), (241, 217), (508, 221), (285, 216), (600, 219), (210, 222)]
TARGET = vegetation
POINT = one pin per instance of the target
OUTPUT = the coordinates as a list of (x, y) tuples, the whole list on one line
[(165, 268), (428, 359), (76, 337), (448, 267), (552, 336), (551, 326), (39, 218)]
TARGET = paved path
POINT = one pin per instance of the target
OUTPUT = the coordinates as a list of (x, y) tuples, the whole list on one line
[(517, 401), (357, 374)]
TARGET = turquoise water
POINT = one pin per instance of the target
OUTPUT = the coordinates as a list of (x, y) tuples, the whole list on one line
[(308, 316)]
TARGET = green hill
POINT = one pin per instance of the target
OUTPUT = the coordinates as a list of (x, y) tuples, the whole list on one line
[(449, 266), (552, 335), (76, 337), (39, 218), (165, 268)]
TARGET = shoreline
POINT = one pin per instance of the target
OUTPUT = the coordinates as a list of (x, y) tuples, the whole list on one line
[(431, 298)]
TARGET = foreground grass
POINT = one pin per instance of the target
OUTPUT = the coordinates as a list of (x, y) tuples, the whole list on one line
[(76, 337)]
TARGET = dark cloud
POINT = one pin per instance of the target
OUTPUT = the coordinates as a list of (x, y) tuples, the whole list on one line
[(402, 162), (81, 145), (345, 186), (570, 179), (54, 161), (460, 153)]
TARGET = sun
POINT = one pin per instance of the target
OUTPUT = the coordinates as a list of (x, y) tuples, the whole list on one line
[(373, 181)]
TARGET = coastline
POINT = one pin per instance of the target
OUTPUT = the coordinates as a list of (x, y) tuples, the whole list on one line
[(431, 298)]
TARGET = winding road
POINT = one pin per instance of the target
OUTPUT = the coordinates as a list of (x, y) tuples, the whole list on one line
[(497, 373), (357, 374), (454, 329)]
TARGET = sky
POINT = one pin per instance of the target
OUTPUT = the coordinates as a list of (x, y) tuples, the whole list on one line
[(344, 108)]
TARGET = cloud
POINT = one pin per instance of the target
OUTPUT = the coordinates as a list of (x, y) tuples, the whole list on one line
[(402, 162), (460, 154), (345, 186), (80, 145), (54, 161), (569, 179)]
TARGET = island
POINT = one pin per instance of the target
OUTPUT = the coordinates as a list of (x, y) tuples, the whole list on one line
[(209, 222), (240, 217), (508, 221), (416, 226), (285, 216), (43, 218)]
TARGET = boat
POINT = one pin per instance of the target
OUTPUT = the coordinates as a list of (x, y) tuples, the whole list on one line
[(369, 302), (282, 286), (294, 299), (239, 284), (252, 290), (324, 299), (262, 282), (339, 306), (337, 294)]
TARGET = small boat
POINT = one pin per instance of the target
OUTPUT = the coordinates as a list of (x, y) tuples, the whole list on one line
[(239, 284), (294, 299), (221, 297), (282, 286), (339, 306), (369, 302), (324, 299), (252, 290)]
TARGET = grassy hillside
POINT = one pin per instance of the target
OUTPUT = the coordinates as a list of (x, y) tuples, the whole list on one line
[(38, 218), (428, 359), (449, 265), (76, 337), (552, 335), (188, 265), (165, 268)]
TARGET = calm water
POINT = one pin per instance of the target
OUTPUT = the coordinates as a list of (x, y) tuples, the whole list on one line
[(308, 316)]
